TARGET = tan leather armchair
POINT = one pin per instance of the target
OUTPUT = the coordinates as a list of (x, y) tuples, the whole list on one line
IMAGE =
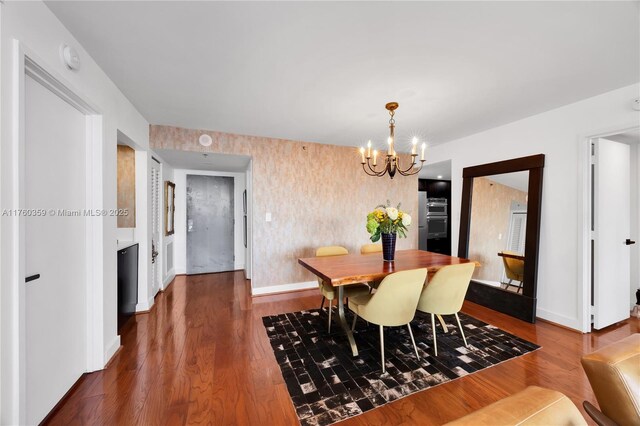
[(513, 268), (533, 406), (614, 374)]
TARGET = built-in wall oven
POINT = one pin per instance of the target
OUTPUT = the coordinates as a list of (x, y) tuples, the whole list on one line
[(437, 207), (437, 227), (437, 218)]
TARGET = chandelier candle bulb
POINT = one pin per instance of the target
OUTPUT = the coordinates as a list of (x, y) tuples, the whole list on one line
[(375, 157), (362, 153), (424, 145), (413, 148), (369, 149)]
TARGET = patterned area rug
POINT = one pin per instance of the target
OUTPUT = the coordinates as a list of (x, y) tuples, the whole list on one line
[(327, 384)]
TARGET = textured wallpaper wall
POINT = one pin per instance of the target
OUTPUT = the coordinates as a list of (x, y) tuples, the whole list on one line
[(317, 195), (490, 210), (127, 186)]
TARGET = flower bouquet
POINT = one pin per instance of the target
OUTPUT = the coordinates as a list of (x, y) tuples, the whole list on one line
[(387, 222)]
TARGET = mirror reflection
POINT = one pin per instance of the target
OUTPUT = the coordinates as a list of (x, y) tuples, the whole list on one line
[(498, 229)]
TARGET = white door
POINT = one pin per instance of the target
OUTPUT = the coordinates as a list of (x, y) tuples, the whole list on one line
[(55, 178), (156, 227), (612, 226)]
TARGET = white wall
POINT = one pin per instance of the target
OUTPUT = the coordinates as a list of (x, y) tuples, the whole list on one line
[(39, 30), (560, 134), (635, 223), (180, 237), (248, 264)]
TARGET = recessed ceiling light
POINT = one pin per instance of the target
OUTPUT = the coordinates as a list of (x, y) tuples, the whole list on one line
[(439, 176), (205, 140)]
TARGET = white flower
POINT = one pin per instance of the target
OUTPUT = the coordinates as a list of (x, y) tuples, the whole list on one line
[(392, 213), (406, 219)]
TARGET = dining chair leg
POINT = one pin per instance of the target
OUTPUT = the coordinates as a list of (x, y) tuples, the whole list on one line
[(461, 331), (330, 310), (322, 304), (413, 341), (382, 348), (353, 325), (433, 327), (442, 323)]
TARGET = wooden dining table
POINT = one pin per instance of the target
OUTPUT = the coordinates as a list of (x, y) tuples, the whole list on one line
[(340, 271)]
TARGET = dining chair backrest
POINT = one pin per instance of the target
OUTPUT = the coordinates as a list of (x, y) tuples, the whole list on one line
[(395, 301), (513, 268), (371, 248), (330, 251), (445, 291)]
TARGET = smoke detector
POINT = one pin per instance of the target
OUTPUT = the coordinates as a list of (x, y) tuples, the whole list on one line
[(70, 57), (205, 140)]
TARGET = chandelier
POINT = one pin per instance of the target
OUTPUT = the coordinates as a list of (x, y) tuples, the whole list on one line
[(391, 163)]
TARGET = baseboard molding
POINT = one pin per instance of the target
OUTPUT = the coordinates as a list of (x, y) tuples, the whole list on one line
[(145, 306), (111, 349), (564, 321), (170, 277), (283, 288)]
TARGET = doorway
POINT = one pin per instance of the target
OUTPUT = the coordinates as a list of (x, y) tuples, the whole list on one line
[(613, 227), (210, 224), (54, 320)]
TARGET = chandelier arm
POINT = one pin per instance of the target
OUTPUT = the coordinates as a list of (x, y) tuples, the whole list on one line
[(374, 170), (408, 171), (375, 173)]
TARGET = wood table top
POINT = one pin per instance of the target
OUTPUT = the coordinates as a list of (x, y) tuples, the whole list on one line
[(358, 268)]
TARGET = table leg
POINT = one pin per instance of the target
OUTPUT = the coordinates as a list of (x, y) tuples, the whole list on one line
[(342, 321)]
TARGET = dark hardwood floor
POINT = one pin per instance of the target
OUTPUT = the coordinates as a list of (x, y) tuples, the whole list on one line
[(201, 356)]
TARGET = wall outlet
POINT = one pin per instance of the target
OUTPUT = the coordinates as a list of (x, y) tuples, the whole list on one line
[(268, 217)]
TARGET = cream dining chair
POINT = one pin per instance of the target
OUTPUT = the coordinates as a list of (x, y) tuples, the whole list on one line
[(371, 248), (444, 295), (327, 290), (393, 304)]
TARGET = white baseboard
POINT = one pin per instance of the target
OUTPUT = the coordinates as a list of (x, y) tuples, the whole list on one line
[(111, 349), (145, 306), (283, 288), (559, 319), (168, 279)]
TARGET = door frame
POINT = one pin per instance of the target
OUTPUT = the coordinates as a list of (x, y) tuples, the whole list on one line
[(584, 218), (26, 62)]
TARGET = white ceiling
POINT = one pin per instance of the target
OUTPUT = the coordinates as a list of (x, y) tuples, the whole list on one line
[(323, 71), (441, 170), (198, 161), (628, 137), (516, 180)]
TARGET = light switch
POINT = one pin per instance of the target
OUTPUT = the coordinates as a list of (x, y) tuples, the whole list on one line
[(268, 217), (499, 236)]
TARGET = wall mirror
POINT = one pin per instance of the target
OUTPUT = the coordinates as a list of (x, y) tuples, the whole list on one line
[(169, 207), (500, 229)]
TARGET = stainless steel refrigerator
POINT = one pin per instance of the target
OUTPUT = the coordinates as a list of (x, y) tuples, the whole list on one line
[(422, 220)]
